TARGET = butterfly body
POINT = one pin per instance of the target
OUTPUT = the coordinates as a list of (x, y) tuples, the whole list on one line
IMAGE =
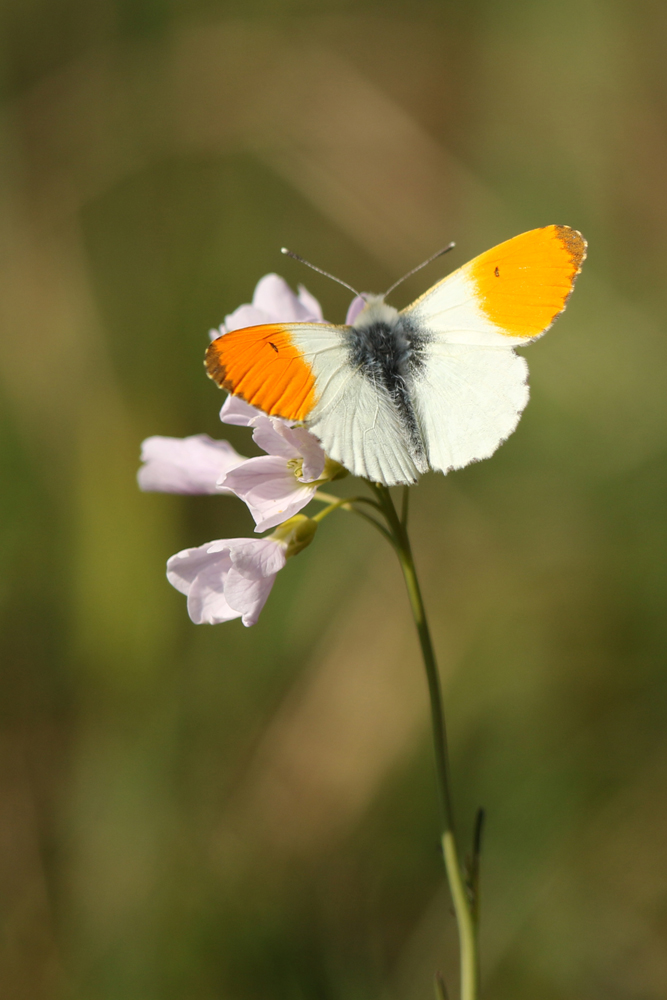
[(437, 385), (389, 351)]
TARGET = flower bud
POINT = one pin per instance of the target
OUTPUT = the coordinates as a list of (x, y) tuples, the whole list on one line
[(295, 534), (333, 470)]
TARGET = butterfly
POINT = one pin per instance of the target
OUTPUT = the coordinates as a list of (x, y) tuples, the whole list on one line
[(435, 386)]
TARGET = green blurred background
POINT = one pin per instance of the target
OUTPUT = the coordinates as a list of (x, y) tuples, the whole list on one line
[(200, 813)]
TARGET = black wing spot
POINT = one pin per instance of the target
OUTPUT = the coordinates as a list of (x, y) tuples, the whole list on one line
[(497, 273), (273, 346)]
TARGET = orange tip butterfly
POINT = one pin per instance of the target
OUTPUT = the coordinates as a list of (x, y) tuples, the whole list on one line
[(435, 386)]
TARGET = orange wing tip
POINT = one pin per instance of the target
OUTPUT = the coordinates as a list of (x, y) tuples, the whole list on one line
[(523, 284), (262, 365), (575, 244), (214, 367)]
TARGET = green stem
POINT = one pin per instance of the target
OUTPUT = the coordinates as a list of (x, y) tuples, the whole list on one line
[(325, 497), (462, 906), (346, 503), (405, 505), (334, 503), (341, 501), (468, 953)]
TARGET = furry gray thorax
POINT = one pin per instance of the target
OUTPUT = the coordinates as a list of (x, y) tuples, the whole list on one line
[(389, 351)]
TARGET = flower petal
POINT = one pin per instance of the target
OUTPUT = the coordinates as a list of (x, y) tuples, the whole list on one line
[(248, 596), (185, 565), (207, 598), (265, 474), (269, 435), (289, 506), (201, 575), (356, 305), (257, 557), (273, 301), (236, 411), (270, 489), (276, 437), (246, 315), (310, 303), (310, 450), (185, 465), (275, 298)]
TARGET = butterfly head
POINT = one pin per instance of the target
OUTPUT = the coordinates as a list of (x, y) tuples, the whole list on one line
[(376, 310)]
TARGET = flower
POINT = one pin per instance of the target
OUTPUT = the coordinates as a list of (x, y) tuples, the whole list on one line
[(236, 411), (186, 465), (232, 577), (273, 301), (274, 486), (356, 305), (277, 485)]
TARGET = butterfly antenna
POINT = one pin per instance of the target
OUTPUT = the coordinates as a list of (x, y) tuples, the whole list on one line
[(295, 256), (419, 267)]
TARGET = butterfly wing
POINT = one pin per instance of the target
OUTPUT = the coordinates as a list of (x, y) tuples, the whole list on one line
[(303, 372), (470, 388)]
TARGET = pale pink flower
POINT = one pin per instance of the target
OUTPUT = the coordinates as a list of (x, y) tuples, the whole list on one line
[(186, 465), (273, 302), (277, 485), (236, 411), (356, 305), (232, 577)]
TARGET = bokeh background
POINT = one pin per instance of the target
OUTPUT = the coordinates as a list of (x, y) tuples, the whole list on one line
[(197, 813)]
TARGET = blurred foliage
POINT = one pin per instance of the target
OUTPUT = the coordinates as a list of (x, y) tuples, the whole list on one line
[(193, 812)]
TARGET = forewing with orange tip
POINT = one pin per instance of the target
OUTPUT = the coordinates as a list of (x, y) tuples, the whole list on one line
[(472, 387), (262, 365), (514, 291), (523, 284)]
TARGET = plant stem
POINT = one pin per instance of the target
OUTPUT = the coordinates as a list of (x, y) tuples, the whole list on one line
[(469, 957), (347, 503), (405, 506), (462, 905), (341, 501)]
